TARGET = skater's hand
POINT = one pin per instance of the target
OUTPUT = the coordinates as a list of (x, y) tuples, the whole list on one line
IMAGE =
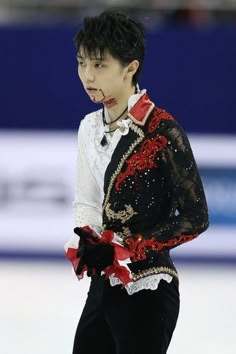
[(98, 256), (86, 236), (92, 253), (87, 241)]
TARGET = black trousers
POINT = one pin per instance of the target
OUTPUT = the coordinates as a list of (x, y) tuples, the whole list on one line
[(114, 322)]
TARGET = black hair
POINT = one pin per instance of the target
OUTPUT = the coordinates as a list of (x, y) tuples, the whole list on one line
[(115, 31)]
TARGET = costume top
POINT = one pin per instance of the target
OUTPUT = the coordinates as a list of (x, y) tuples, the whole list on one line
[(144, 185)]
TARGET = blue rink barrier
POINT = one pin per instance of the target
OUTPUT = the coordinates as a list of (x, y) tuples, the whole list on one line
[(220, 188), (60, 257)]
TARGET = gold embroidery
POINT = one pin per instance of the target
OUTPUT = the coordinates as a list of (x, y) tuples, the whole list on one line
[(126, 232), (128, 213), (122, 215), (122, 234), (104, 226), (153, 270)]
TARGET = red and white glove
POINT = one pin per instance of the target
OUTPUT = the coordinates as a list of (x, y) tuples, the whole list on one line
[(98, 255)]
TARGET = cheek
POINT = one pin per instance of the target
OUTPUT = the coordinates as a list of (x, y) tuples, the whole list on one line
[(118, 80), (80, 74)]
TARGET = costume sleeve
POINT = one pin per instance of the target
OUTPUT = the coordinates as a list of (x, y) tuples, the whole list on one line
[(86, 207), (189, 215)]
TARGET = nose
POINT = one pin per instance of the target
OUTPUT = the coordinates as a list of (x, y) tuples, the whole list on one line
[(88, 74)]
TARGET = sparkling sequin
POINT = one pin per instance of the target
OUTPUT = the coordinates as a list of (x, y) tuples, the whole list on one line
[(144, 159), (158, 115), (166, 197), (121, 163)]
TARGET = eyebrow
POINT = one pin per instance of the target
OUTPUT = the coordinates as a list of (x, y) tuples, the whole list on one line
[(78, 56)]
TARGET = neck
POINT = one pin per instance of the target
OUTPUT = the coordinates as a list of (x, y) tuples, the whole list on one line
[(120, 106)]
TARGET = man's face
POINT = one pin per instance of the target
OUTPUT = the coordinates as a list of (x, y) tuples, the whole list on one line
[(103, 78)]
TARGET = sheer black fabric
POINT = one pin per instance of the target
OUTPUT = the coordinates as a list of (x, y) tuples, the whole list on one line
[(163, 196), (187, 213)]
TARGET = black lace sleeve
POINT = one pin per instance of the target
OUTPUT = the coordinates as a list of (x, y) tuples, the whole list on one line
[(188, 216)]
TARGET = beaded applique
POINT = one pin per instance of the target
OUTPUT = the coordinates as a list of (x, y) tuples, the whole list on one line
[(122, 215), (154, 270), (158, 115), (106, 206), (139, 246), (143, 159)]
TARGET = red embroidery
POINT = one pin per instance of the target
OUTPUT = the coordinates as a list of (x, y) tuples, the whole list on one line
[(143, 159), (139, 247), (158, 114)]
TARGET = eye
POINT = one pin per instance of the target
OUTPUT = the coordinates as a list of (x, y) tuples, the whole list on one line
[(80, 61), (99, 65)]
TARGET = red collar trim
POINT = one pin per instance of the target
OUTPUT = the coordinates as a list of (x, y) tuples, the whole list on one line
[(141, 110)]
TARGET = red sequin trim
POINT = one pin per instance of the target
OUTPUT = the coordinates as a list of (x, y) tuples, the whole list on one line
[(158, 114), (139, 247), (142, 160)]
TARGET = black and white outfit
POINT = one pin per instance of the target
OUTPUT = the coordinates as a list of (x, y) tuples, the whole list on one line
[(141, 184)]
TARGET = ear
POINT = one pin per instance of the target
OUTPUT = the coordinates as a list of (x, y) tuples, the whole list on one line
[(131, 69)]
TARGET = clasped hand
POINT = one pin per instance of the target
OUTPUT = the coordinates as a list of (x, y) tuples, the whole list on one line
[(93, 253)]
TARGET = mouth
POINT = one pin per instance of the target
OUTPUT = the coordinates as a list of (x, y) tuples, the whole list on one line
[(96, 95), (90, 89)]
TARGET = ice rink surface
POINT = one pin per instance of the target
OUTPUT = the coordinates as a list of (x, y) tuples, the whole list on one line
[(41, 303)]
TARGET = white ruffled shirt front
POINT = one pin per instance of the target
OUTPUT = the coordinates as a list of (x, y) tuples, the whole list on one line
[(92, 162)]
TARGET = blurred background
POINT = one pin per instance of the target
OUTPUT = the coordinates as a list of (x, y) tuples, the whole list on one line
[(190, 70)]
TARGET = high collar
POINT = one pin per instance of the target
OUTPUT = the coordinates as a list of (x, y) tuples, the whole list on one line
[(140, 107)]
